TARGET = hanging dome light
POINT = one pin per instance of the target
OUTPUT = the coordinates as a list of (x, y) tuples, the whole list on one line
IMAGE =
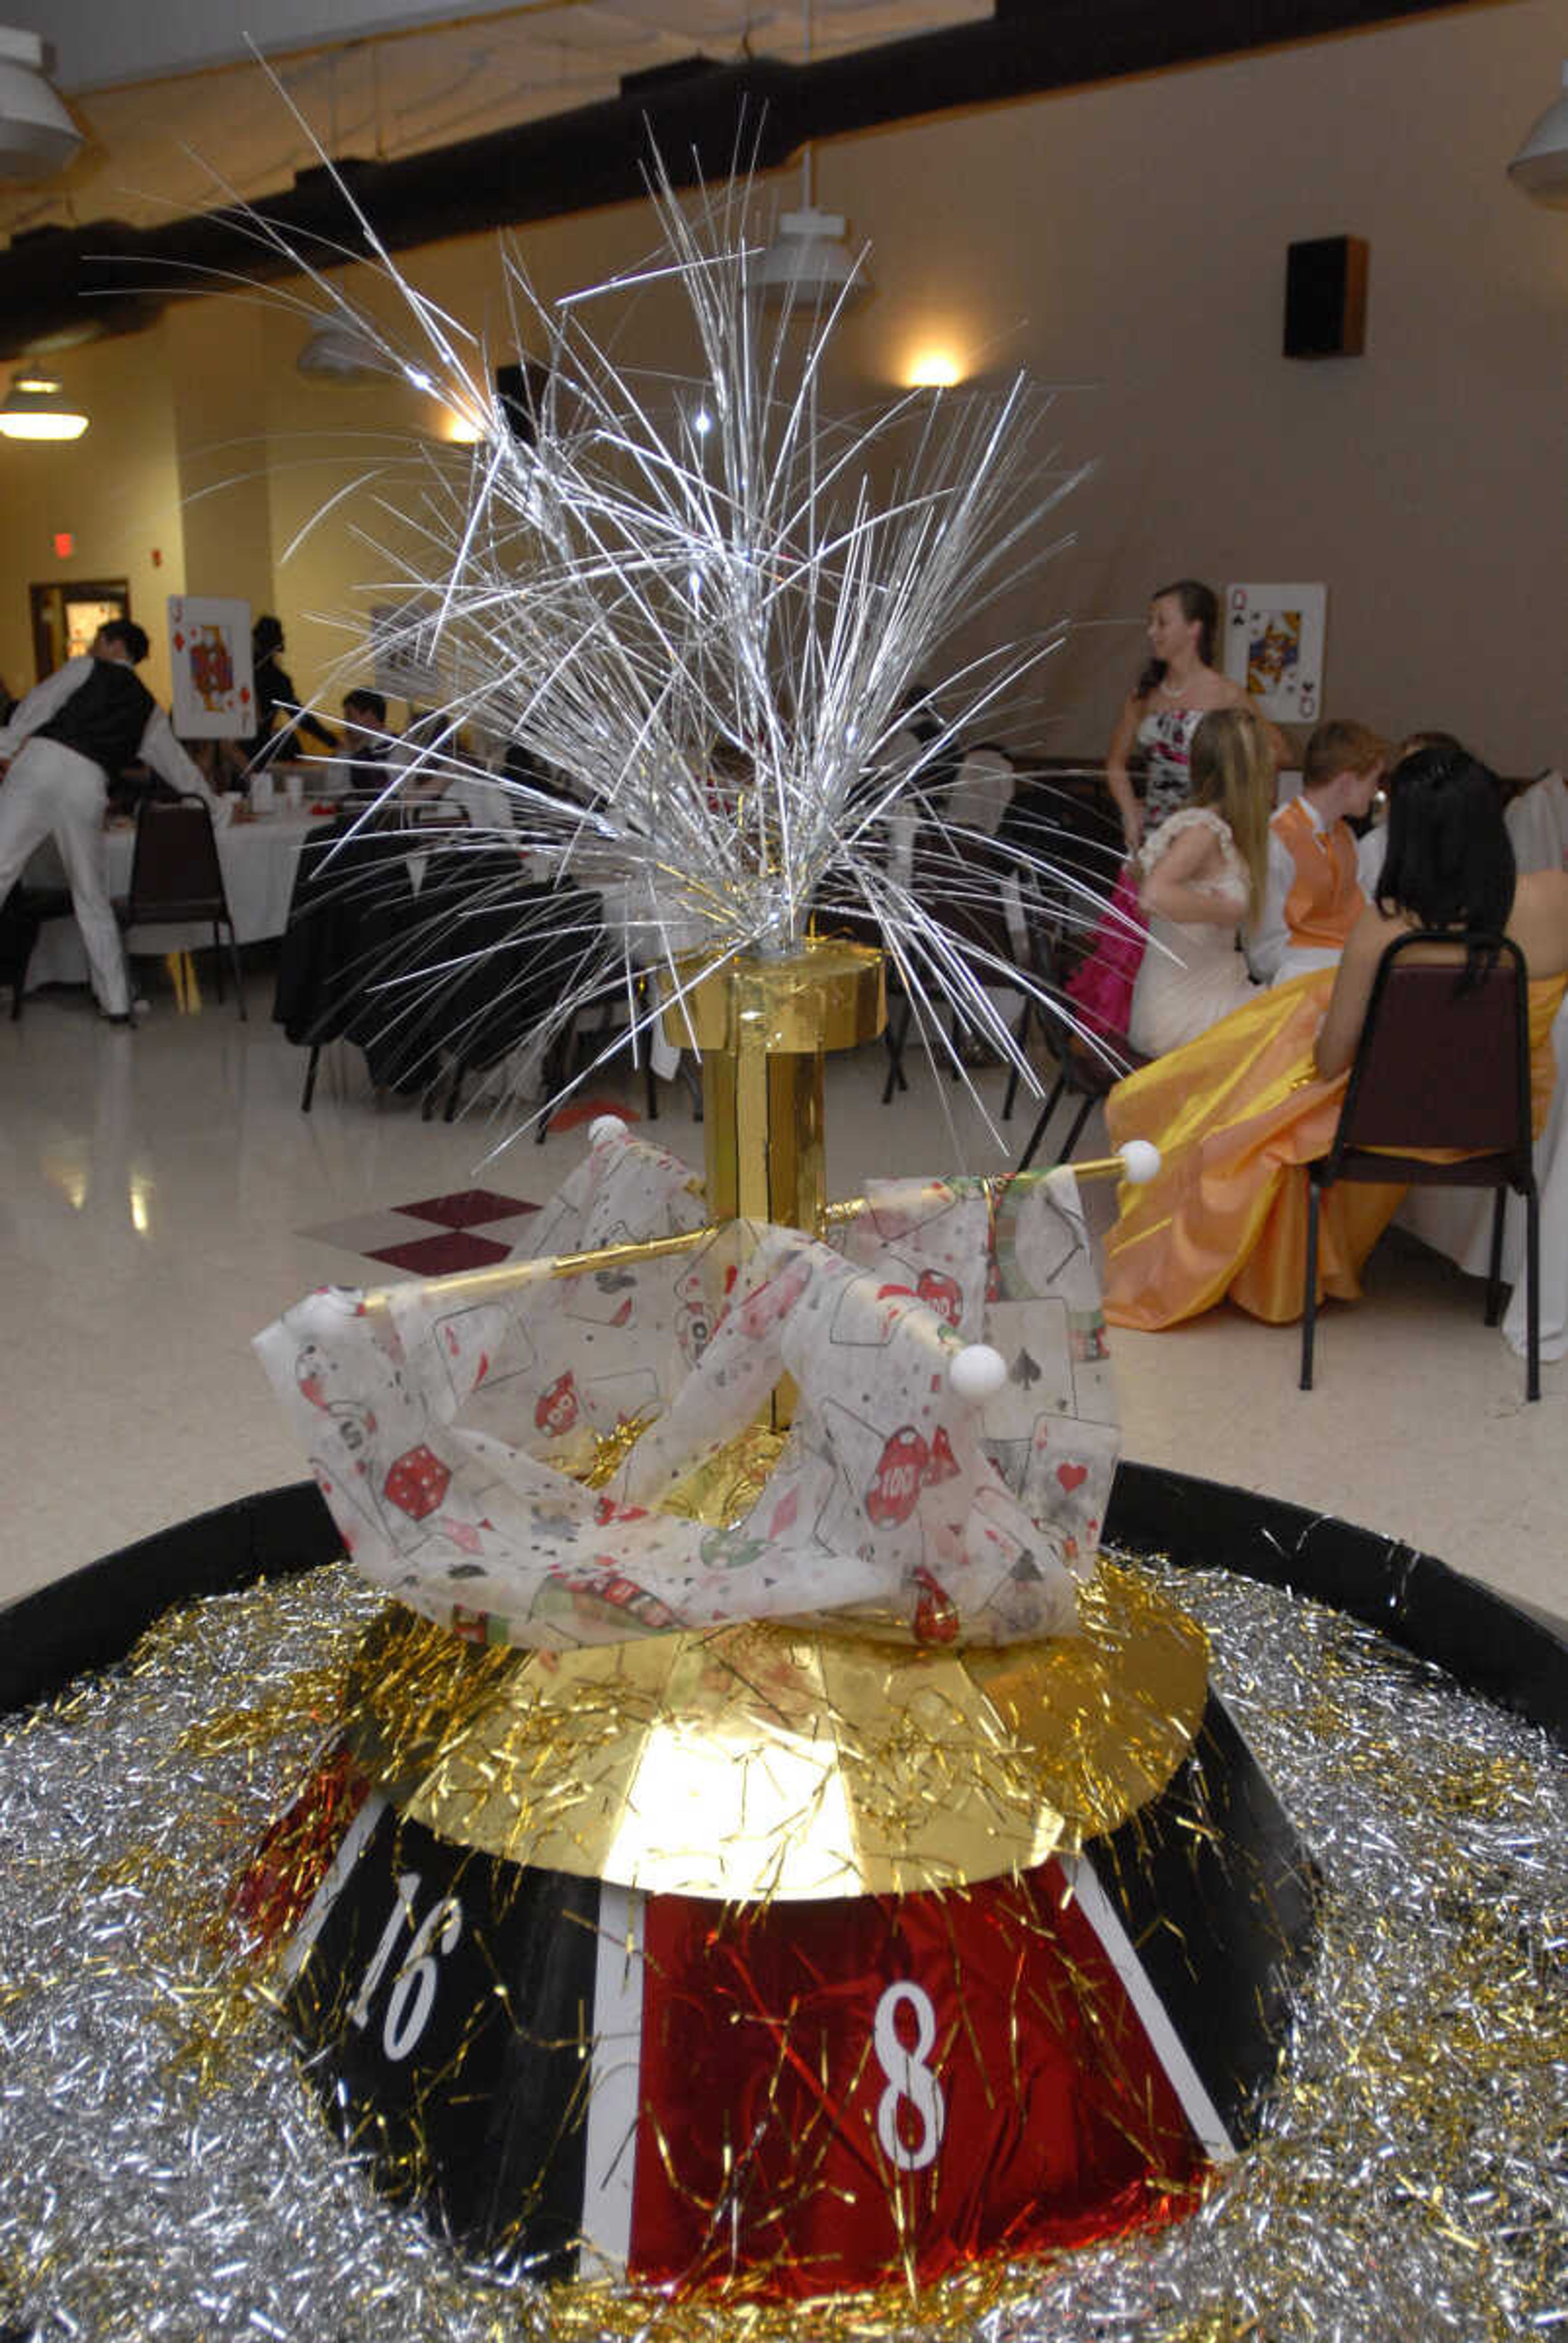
[(37, 137), (1540, 168), (337, 353), (35, 408), (808, 266)]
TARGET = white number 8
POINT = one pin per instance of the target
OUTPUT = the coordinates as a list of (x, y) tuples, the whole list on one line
[(909, 2077)]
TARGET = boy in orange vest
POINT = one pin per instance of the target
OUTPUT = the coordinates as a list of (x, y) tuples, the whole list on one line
[(1314, 894)]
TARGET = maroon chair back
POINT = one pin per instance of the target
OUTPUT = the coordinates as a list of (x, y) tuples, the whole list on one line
[(175, 871), (1438, 1065)]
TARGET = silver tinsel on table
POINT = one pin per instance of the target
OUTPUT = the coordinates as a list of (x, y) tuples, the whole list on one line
[(169, 2173)]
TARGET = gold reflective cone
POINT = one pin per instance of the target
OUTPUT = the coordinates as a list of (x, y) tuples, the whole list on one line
[(759, 1761)]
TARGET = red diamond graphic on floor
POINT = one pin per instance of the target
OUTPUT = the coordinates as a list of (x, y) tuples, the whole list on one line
[(443, 1255), (467, 1208)]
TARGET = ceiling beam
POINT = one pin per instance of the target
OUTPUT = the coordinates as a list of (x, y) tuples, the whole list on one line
[(111, 278)]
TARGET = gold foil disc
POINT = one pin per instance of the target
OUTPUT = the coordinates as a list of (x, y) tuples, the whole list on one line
[(759, 1761)]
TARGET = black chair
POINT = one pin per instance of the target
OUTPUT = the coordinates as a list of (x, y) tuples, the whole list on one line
[(961, 876), (351, 913), (22, 915), (177, 877), (512, 952), (1443, 1062), (1089, 1066)]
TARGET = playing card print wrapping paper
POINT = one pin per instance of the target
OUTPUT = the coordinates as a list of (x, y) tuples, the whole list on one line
[(451, 1435)]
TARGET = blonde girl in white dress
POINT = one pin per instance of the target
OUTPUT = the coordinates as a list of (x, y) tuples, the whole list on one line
[(1204, 874)]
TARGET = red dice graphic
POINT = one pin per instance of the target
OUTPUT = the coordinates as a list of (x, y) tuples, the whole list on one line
[(416, 1482)]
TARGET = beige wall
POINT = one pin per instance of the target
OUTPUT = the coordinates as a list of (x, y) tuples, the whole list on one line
[(116, 491), (1127, 243)]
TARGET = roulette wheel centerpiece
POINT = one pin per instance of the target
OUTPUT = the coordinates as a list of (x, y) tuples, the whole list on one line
[(760, 1845)]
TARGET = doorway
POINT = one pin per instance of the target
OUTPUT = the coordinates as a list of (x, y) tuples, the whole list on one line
[(66, 615)]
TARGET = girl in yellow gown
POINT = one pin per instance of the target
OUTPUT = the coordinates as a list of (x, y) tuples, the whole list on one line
[(1240, 1113)]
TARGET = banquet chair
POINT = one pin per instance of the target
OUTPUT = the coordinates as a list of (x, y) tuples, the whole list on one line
[(177, 877), (1444, 1064), (968, 882), (515, 950), (352, 906), (21, 914), (1087, 1065)]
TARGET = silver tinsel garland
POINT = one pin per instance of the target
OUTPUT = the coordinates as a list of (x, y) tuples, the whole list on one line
[(168, 2174)]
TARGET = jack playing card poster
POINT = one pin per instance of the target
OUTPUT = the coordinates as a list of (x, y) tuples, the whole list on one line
[(209, 658)]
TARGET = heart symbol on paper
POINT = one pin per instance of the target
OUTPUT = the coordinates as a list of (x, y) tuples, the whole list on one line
[(1071, 1476)]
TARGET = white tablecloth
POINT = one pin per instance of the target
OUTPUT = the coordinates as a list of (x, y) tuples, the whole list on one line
[(1458, 1222), (258, 859)]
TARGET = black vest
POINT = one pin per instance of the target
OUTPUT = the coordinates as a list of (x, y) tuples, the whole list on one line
[(105, 718)]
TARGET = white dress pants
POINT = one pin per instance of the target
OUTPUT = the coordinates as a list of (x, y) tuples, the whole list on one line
[(50, 791)]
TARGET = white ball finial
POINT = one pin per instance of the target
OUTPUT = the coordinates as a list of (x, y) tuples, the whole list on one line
[(1140, 1161), (605, 1128), (978, 1373)]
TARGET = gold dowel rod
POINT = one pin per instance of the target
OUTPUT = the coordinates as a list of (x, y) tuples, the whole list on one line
[(473, 1283)]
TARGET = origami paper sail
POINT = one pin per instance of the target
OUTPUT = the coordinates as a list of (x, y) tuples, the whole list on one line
[(452, 1435)]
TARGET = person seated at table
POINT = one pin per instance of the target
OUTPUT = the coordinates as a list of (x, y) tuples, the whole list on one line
[(1314, 897), (275, 694), (1240, 1113), (372, 757), (1202, 880), (83, 724), (1372, 847)]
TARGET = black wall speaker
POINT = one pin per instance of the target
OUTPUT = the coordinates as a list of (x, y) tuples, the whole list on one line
[(521, 389), (1326, 297)]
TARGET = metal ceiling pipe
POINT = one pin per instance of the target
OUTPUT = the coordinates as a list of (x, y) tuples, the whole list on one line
[(64, 285)]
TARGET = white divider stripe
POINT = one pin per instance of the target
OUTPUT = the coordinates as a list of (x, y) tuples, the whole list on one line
[(326, 1894), (609, 2157), (1169, 2048)]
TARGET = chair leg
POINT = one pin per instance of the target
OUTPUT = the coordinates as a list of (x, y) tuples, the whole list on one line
[(1494, 1266), (1532, 1294), (1038, 1134), (310, 1078), (894, 1035), (1021, 1035), (1309, 1293), (1076, 1133)]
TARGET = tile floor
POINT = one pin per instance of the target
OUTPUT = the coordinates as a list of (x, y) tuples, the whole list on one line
[(162, 1197)]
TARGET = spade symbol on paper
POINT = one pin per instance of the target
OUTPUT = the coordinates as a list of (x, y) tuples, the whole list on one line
[(1024, 1370)]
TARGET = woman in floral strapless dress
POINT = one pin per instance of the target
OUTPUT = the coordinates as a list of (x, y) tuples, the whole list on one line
[(1178, 688)]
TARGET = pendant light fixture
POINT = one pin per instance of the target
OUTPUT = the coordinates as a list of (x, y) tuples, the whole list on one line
[(1540, 169), (37, 408), (809, 265), (37, 136), (337, 353)]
